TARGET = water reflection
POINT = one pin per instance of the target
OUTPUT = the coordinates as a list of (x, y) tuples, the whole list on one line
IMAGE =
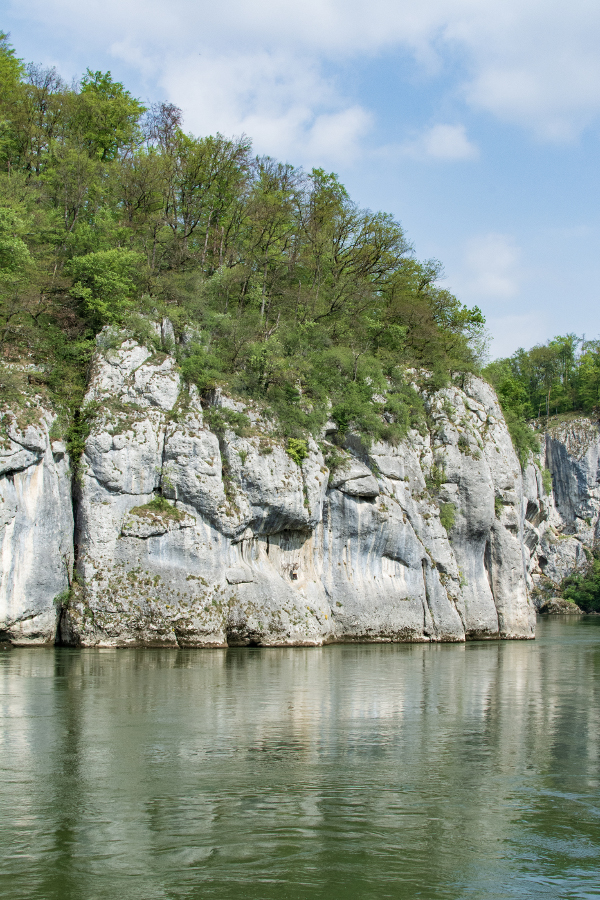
[(353, 771)]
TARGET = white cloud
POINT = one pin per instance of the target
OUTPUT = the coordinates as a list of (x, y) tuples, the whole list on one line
[(286, 107), (513, 331), (443, 142), (533, 62), (491, 269), (491, 275), (336, 136)]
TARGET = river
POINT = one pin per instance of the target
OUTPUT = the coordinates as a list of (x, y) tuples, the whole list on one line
[(350, 771)]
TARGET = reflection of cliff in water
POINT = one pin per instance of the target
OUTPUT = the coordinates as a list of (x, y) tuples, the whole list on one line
[(345, 771)]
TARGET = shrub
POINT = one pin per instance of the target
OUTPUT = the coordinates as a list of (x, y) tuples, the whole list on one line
[(448, 516), (463, 443), (524, 440), (436, 477), (547, 481), (584, 588), (220, 419), (105, 282), (159, 508), (297, 450)]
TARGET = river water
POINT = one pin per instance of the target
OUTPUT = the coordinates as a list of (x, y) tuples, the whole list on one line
[(356, 771)]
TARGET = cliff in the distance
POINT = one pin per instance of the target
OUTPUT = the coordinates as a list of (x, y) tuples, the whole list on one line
[(418, 542), (562, 525)]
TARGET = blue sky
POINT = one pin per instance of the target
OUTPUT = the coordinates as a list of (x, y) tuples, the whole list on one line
[(475, 122)]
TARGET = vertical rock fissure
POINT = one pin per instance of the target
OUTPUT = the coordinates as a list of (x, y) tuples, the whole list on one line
[(487, 564), (161, 478)]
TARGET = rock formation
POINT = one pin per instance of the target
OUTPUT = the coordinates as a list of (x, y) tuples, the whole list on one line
[(191, 531), (258, 549), (562, 524), (36, 525)]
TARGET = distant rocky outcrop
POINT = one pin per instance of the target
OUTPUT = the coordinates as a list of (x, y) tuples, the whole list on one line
[(562, 523), (557, 606)]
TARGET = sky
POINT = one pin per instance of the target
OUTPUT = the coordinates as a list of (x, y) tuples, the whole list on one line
[(476, 123)]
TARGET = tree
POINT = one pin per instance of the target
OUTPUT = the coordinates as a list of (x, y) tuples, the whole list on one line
[(106, 283), (36, 110), (206, 175), (11, 72), (105, 117)]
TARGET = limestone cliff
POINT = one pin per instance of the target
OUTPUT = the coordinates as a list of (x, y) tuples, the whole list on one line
[(562, 525), (192, 532), (36, 525), (257, 549)]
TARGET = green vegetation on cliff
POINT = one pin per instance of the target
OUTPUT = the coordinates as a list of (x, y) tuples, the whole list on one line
[(583, 588), (561, 376), (278, 285)]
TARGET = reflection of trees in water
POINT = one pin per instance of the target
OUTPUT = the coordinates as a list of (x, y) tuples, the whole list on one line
[(560, 820), (356, 768), (43, 803)]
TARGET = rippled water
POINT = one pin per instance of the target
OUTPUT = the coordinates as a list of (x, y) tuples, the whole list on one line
[(339, 772)]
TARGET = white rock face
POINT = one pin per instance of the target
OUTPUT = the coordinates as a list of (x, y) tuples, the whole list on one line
[(563, 526), (255, 549), (36, 528), (425, 541)]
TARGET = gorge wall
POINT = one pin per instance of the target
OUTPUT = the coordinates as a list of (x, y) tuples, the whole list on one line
[(424, 541), (562, 524), (36, 525)]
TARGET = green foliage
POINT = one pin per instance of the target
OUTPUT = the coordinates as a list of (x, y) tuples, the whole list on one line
[(560, 376), (280, 288), (13, 387), (584, 589), (219, 420), (335, 459), (524, 440), (63, 599), (14, 254), (78, 432), (297, 450), (436, 477), (202, 368), (516, 406), (105, 282), (105, 116), (447, 516), (11, 68), (463, 443), (498, 507), (159, 507), (547, 481)]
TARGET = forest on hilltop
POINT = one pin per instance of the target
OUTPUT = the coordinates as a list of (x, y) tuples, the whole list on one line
[(561, 376), (278, 285)]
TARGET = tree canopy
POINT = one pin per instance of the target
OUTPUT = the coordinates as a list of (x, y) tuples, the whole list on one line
[(278, 285), (560, 376)]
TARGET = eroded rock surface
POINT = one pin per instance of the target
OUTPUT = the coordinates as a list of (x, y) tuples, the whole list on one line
[(36, 525), (562, 525), (256, 549)]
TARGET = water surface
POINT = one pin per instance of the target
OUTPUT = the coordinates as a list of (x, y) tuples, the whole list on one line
[(377, 771)]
